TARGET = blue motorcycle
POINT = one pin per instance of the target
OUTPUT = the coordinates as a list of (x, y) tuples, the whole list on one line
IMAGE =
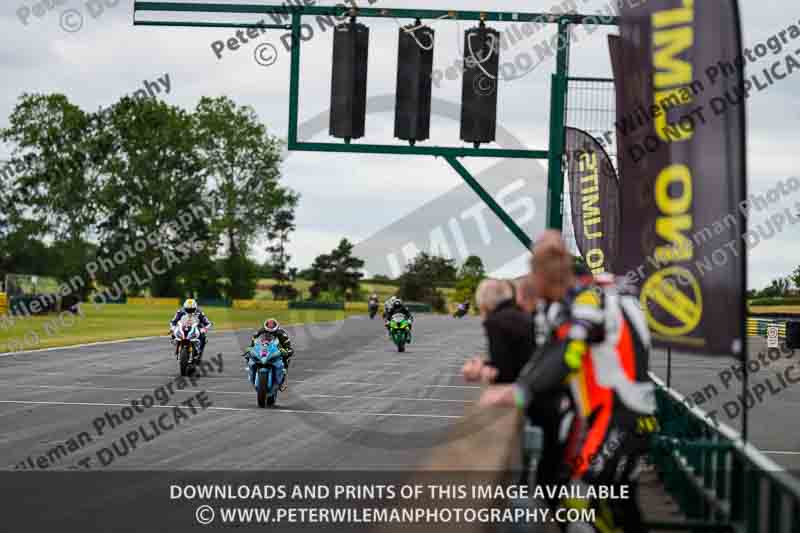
[(265, 370)]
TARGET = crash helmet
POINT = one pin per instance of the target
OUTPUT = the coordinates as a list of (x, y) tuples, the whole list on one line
[(190, 306), (271, 325)]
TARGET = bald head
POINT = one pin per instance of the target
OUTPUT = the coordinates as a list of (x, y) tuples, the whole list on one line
[(490, 293), (526, 293), (551, 266)]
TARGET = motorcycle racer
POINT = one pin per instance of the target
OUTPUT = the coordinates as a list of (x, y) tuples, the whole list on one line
[(273, 330), (372, 305), (393, 306), (190, 309)]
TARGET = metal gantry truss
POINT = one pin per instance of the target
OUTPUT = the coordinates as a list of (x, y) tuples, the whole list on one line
[(554, 154)]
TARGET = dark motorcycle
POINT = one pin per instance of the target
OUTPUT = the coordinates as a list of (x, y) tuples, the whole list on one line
[(373, 309), (462, 310)]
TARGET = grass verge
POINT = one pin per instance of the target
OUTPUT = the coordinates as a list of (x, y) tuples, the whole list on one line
[(116, 322)]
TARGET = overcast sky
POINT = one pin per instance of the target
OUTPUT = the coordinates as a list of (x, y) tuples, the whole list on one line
[(357, 196)]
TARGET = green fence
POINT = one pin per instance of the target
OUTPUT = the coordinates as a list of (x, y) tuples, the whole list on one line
[(720, 483), (214, 302), (36, 304), (335, 306), (414, 307)]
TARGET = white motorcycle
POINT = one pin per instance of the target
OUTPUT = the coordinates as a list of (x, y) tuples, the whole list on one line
[(187, 344)]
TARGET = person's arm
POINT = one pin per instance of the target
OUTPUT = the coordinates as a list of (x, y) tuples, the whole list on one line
[(286, 343), (552, 365), (175, 319), (256, 335)]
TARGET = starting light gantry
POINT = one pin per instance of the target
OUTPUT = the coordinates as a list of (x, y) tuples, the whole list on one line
[(559, 83)]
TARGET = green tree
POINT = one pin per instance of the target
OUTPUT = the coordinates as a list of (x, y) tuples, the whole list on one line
[(243, 163), (472, 267), (338, 271), (53, 170), (776, 289), (418, 282), (202, 278), (437, 269), (795, 277), (278, 234), (470, 275), (49, 186), (152, 174)]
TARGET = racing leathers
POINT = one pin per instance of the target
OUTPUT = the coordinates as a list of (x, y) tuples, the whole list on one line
[(591, 378), (202, 322), (395, 308), (284, 342)]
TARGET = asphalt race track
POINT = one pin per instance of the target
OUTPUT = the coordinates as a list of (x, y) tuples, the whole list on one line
[(774, 415), (356, 408), (354, 402)]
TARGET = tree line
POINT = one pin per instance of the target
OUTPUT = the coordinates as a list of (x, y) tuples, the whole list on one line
[(781, 287), (83, 184)]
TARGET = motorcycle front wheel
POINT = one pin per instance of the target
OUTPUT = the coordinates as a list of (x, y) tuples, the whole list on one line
[(261, 393), (184, 361)]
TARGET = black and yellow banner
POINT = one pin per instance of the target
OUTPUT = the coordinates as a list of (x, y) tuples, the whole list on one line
[(682, 121), (594, 197)]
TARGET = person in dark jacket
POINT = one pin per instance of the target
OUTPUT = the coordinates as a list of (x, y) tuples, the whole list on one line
[(508, 329), (394, 306), (599, 346)]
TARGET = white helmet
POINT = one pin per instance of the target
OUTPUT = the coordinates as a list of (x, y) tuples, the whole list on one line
[(190, 306)]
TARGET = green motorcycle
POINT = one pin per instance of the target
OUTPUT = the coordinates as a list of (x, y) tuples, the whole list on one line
[(400, 331)]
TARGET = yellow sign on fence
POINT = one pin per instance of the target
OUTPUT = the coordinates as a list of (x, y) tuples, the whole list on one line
[(264, 305), (362, 307), (757, 327), (171, 302), (3, 303)]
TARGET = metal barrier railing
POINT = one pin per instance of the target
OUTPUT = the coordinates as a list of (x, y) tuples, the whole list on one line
[(719, 482)]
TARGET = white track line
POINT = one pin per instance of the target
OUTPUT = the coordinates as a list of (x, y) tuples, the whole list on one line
[(425, 386), (278, 410), (315, 380), (99, 343), (118, 389), (119, 341), (340, 369), (777, 452), (378, 363)]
